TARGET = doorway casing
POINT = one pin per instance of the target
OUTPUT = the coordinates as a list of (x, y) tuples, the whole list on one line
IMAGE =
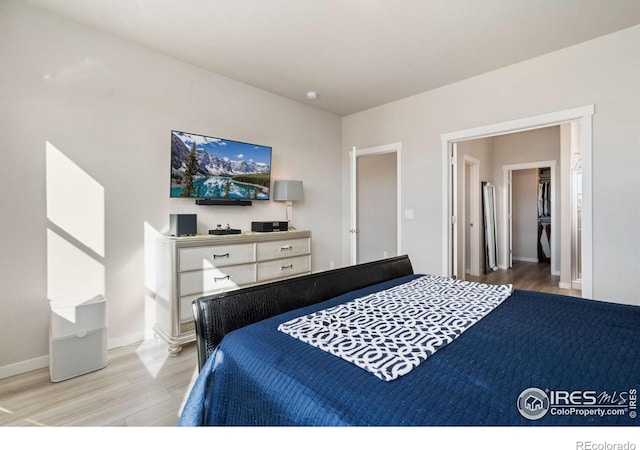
[(584, 115)]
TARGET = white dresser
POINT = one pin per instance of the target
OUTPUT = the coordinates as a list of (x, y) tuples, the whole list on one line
[(191, 267)]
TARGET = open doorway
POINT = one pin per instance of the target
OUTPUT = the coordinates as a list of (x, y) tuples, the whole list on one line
[(581, 116), (530, 214)]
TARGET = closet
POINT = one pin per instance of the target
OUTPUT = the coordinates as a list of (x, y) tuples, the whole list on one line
[(544, 215)]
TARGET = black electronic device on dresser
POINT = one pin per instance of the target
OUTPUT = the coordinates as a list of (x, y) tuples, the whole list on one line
[(183, 225), (219, 231), (269, 226)]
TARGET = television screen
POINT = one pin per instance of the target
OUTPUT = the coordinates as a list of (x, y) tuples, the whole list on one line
[(204, 167)]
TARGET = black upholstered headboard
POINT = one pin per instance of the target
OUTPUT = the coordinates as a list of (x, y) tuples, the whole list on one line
[(218, 314)]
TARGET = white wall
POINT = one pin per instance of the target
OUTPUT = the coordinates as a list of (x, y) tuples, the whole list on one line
[(106, 108), (604, 72)]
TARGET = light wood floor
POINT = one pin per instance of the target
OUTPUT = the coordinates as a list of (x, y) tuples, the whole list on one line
[(530, 276), (143, 386)]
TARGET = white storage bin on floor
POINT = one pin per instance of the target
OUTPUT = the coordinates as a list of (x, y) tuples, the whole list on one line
[(77, 338)]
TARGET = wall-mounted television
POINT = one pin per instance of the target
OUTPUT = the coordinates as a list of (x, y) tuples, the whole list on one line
[(211, 168)]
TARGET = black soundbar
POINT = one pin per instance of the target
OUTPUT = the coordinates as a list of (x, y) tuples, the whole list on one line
[(230, 202)]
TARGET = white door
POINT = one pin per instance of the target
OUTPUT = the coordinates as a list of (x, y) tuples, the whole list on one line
[(353, 228), (472, 222), (510, 218), (389, 208), (453, 224)]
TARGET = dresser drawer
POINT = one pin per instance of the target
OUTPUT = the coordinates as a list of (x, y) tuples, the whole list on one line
[(283, 249), (197, 258), (216, 279), (283, 268)]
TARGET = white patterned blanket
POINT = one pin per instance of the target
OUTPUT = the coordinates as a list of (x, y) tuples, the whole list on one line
[(389, 333)]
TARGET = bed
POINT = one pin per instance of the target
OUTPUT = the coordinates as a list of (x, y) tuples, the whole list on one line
[(529, 359)]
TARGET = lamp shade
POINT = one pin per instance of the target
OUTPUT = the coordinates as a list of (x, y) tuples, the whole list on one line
[(287, 190)]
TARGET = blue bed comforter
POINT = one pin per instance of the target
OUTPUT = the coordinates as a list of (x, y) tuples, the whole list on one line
[(537, 359)]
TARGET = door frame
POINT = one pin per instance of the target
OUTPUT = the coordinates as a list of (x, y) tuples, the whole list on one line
[(354, 154), (584, 115)]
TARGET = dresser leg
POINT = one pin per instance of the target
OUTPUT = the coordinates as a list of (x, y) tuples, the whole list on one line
[(174, 349)]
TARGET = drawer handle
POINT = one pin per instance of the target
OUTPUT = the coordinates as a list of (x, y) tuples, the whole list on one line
[(216, 279), (290, 266), (286, 247), (226, 255)]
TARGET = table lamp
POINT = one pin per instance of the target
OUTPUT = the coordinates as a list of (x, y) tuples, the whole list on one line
[(288, 191)]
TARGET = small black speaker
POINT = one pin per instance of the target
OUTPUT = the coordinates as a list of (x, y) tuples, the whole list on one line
[(183, 224)]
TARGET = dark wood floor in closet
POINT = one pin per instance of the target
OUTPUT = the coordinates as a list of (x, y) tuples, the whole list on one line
[(527, 275)]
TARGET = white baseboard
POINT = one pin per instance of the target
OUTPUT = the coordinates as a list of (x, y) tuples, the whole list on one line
[(24, 366), (524, 259), (126, 340), (563, 285), (41, 362)]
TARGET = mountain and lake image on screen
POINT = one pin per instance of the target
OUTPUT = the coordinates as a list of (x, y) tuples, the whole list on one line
[(204, 167)]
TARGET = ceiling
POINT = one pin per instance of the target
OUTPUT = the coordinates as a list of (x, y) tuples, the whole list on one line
[(356, 54)]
